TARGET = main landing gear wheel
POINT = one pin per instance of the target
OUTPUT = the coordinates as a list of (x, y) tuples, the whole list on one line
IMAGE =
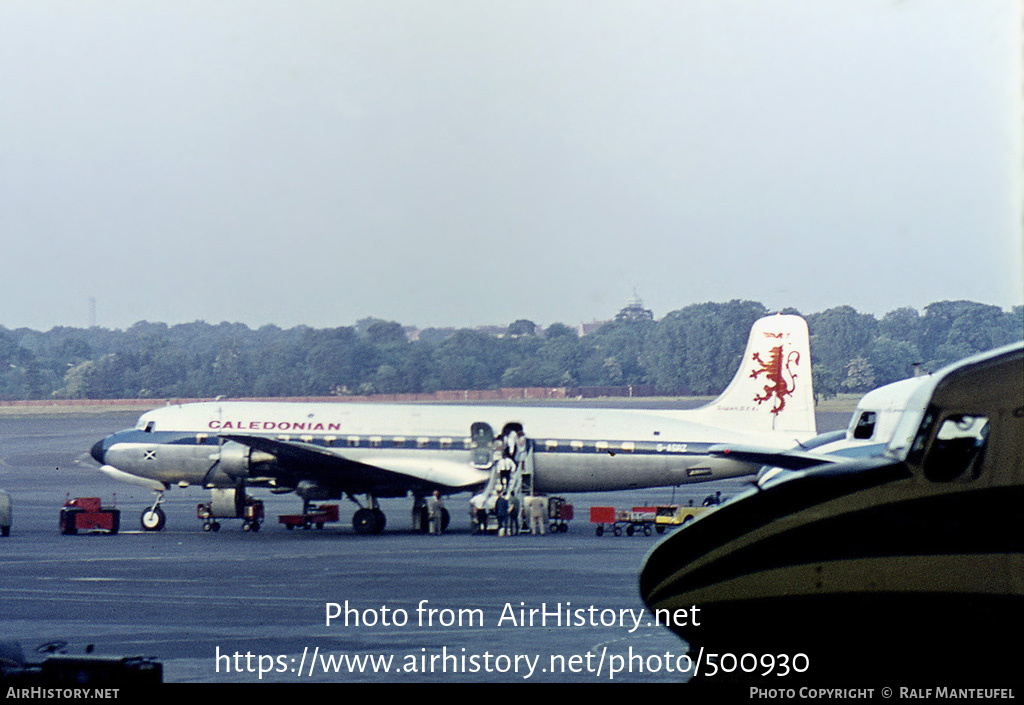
[(153, 519), (368, 521)]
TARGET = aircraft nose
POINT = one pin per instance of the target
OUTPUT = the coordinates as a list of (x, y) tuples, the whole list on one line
[(97, 451)]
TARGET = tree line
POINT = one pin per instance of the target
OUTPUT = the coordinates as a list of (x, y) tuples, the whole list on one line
[(693, 350)]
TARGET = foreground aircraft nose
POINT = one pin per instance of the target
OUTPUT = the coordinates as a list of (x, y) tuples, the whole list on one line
[(98, 450)]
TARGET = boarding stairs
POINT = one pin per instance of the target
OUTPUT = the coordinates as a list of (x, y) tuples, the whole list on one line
[(520, 484)]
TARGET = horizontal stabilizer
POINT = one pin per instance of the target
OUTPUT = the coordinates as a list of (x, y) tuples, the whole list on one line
[(790, 460)]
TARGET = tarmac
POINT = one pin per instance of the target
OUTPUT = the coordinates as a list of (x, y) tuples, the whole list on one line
[(272, 606)]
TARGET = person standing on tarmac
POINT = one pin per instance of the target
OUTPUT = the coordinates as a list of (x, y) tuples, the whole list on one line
[(435, 512), (501, 512), (513, 514), (538, 514)]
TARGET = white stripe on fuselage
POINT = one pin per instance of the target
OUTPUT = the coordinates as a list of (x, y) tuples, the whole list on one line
[(275, 418)]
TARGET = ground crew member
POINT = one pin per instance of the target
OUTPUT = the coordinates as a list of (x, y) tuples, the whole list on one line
[(501, 512), (435, 512), (538, 514), (513, 514)]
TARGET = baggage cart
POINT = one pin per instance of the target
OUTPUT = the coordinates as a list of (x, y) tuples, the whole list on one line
[(619, 521), (560, 513)]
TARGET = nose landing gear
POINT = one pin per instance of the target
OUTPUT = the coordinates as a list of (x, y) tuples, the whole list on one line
[(153, 518)]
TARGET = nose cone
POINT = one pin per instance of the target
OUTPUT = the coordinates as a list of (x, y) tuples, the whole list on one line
[(97, 451)]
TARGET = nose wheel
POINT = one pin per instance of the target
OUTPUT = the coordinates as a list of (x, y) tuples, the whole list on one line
[(153, 518)]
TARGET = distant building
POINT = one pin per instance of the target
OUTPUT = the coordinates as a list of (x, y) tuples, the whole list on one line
[(588, 328), (635, 311)]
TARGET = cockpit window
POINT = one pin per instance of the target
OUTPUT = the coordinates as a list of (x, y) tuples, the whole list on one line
[(865, 427), (150, 426), (958, 448)]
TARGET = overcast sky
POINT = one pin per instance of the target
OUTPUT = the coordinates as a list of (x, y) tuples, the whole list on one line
[(468, 162)]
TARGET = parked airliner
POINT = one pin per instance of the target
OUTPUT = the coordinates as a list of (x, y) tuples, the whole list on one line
[(329, 450)]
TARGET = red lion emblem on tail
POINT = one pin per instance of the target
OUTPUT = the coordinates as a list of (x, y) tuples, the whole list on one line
[(776, 371)]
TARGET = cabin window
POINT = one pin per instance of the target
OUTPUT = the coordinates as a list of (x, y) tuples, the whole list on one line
[(957, 449), (865, 427), (628, 447), (576, 445), (353, 441), (399, 441), (446, 443), (422, 442), (602, 446), (306, 438), (329, 440), (467, 443), (200, 439), (376, 441), (550, 445)]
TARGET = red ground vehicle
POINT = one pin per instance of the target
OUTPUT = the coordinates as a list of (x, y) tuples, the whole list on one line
[(644, 520), (316, 516), (88, 514), (639, 519)]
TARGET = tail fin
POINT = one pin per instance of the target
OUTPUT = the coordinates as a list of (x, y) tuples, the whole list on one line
[(772, 389)]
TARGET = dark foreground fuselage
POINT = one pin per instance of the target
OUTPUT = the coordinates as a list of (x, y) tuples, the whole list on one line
[(909, 566)]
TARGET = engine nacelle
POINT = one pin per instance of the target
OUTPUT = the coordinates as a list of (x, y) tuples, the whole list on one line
[(238, 461)]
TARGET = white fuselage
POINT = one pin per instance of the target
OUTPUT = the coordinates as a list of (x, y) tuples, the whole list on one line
[(574, 449)]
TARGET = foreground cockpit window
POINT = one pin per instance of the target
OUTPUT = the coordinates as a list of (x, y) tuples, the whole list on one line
[(956, 452), (865, 427)]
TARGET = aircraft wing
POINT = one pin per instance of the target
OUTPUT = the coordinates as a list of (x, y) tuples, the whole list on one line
[(329, 467), (787, 459)]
